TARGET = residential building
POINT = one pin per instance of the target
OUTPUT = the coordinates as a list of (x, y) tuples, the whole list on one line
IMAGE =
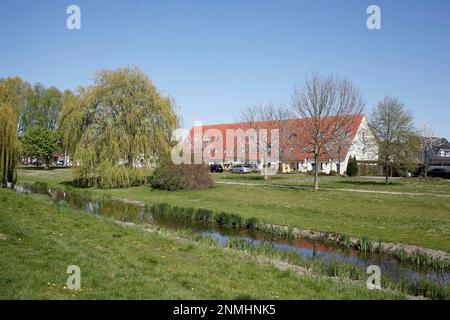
[(231, 144)]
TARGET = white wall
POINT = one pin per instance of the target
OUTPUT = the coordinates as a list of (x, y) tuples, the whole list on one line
[(364, 145)]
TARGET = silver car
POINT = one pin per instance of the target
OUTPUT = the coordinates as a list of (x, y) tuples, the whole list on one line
[(241, 169)]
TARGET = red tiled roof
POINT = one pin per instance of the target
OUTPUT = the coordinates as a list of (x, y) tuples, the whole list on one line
[(294, 140)]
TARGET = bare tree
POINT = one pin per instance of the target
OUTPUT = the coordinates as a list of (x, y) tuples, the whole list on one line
[(269, 117), (326, 105), (429, 142), (394, 130)]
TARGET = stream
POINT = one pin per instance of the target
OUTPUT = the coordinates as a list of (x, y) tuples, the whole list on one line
[(307, 249)]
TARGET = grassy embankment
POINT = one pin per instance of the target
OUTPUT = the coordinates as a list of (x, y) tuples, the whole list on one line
[(40, 239), (418, 220)]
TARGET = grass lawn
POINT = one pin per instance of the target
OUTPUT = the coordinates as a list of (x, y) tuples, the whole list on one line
[(412, 185), (423, 221), (43, 239)]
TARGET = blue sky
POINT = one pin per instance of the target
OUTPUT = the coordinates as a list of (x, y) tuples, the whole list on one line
[(216, 57)]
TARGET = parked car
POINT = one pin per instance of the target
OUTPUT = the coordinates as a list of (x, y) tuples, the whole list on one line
[(241, 169), (58, 163), (216, 168), (439, 173)]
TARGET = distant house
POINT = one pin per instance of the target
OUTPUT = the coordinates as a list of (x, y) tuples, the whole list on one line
[(438, 155), (295, 153)]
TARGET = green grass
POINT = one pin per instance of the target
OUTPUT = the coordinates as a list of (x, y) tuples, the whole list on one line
[(412, 185), (422, 221), (43, 239)]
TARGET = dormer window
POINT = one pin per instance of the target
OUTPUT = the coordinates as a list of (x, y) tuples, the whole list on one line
[(444, 153)]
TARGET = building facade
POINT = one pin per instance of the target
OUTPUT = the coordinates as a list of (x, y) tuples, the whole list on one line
[(241, 143)]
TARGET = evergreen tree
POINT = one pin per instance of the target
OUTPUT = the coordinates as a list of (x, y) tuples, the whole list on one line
[(352, 167)]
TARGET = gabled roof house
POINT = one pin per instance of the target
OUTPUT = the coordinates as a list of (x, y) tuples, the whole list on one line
[(295, 151)]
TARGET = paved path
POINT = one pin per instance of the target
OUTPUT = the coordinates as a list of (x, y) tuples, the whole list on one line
[(337, 189)]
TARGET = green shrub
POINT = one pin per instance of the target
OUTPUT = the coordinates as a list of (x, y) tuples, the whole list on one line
[(333, 172), (182, 177), (352, 167), (250, 223), (40, 187), (221, 218), (109, 176)]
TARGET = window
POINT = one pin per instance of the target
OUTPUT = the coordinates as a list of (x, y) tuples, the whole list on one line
[(444, 153)]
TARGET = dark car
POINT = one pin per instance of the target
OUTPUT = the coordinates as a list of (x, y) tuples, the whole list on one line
[(439, 173), (216, 168)]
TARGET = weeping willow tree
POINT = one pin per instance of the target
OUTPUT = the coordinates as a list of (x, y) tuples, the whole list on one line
[(9, 145), (116, 125)]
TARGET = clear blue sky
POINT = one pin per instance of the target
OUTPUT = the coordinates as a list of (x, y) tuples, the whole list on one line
[(215, 57)]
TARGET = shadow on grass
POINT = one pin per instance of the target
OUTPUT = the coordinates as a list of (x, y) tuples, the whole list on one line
[(370, 183), (251, 177), (41, 168), (76, 183)]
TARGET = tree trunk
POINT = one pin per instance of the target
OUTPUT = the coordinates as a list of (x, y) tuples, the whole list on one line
[(316, 173), (387, 174), (130, 161)]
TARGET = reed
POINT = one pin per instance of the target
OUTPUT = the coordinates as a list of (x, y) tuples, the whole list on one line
[(203, 215), (365, 245), (334, 268)]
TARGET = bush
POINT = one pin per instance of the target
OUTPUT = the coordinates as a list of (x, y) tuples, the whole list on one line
[(352, 167), (333, 172), (110, 176), (182, 177)]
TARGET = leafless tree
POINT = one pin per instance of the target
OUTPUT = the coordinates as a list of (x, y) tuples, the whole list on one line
[(326, 105), (429, 141), (267, 116), (394, 131)]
